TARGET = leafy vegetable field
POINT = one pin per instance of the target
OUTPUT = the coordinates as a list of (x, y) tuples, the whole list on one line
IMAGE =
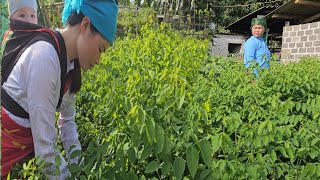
[(158, 107)]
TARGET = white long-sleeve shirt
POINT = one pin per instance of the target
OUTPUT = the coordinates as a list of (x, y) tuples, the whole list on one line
[(34, 84)]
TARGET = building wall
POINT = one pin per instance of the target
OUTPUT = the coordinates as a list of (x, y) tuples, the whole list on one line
[(300, 40), (221, 43)]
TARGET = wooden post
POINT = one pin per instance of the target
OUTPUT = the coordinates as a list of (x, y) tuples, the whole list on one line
[(45, 13)]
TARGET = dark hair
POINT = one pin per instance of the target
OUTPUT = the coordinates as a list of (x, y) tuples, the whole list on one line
[(75, 74), (76, 18)]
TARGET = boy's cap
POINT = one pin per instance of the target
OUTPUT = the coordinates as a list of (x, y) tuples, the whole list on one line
[(15, 5)]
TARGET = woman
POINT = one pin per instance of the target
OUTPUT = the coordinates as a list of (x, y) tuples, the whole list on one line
[(255, 48), (34, 83)]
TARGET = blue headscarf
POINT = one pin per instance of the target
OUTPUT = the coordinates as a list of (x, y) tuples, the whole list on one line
[(102, 13)]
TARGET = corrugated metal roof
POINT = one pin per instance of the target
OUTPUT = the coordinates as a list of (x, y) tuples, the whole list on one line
[(296, 10), (242, 25)]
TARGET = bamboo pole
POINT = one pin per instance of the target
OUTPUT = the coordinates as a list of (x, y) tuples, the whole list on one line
[(44, 10)]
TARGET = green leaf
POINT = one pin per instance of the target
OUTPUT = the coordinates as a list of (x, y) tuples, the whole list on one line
[(152, 166), (312, 168), (74, 168), (283, 151), (182, 96), (273, 103), (147, 151), (75, 153), (304, 107), (132, 154), (261, 127), (204, 115), (215, 143), (150, 130), (159, 139), (142, 177), (192, 155), (298, 106), (231, 167), (313, 154), (167, 145), (57, 160), (314, 141), (318, 170), (83, 177), (164, 89), (165, 169), (170, 102), (222, 165), (206, 152), (141, 118), (279, 171), (295, 142), (308, 86), (273, 155), (260, 158), (269, 126), (131, 176), (290, 154), (204, 174), (179, 166)]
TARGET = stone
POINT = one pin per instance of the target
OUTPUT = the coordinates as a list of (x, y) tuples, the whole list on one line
[(316, 43), (302, 50), (314, 25), (300, 33), (304, 26), (292, 45), (300, 45), (296, 39), (292, 34), (313, 37), (285, 34), (285, 45), (289, 39), (296, 28), (309, 32), (288, 28), (304, 38), (308, 44), (311, 50)]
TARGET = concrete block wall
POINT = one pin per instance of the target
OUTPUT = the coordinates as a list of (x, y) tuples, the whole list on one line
[(300, 40), (221, 43)]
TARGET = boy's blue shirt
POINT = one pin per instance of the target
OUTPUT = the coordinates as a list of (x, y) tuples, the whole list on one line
[(255, 49)]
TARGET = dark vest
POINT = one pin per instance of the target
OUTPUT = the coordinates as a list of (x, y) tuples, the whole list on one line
[(23, 35)]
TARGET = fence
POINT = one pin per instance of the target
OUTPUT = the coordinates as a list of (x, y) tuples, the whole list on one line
[(193, 25), (4, 18), (196, 25)]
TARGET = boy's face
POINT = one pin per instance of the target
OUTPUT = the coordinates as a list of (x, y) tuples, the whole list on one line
[(26, 14), (257, 30)]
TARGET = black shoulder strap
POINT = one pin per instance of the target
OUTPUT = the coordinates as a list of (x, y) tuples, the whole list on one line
[(54, 38), (63, 64)]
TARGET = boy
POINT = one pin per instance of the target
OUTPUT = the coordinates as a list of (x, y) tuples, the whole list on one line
[(24, 10)]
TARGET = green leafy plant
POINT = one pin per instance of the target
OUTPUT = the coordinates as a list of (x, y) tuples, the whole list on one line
[(158, 107)]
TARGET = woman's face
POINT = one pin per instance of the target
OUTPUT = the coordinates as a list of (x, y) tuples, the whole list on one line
[(90, 45), (257, 30), (26, 14)]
